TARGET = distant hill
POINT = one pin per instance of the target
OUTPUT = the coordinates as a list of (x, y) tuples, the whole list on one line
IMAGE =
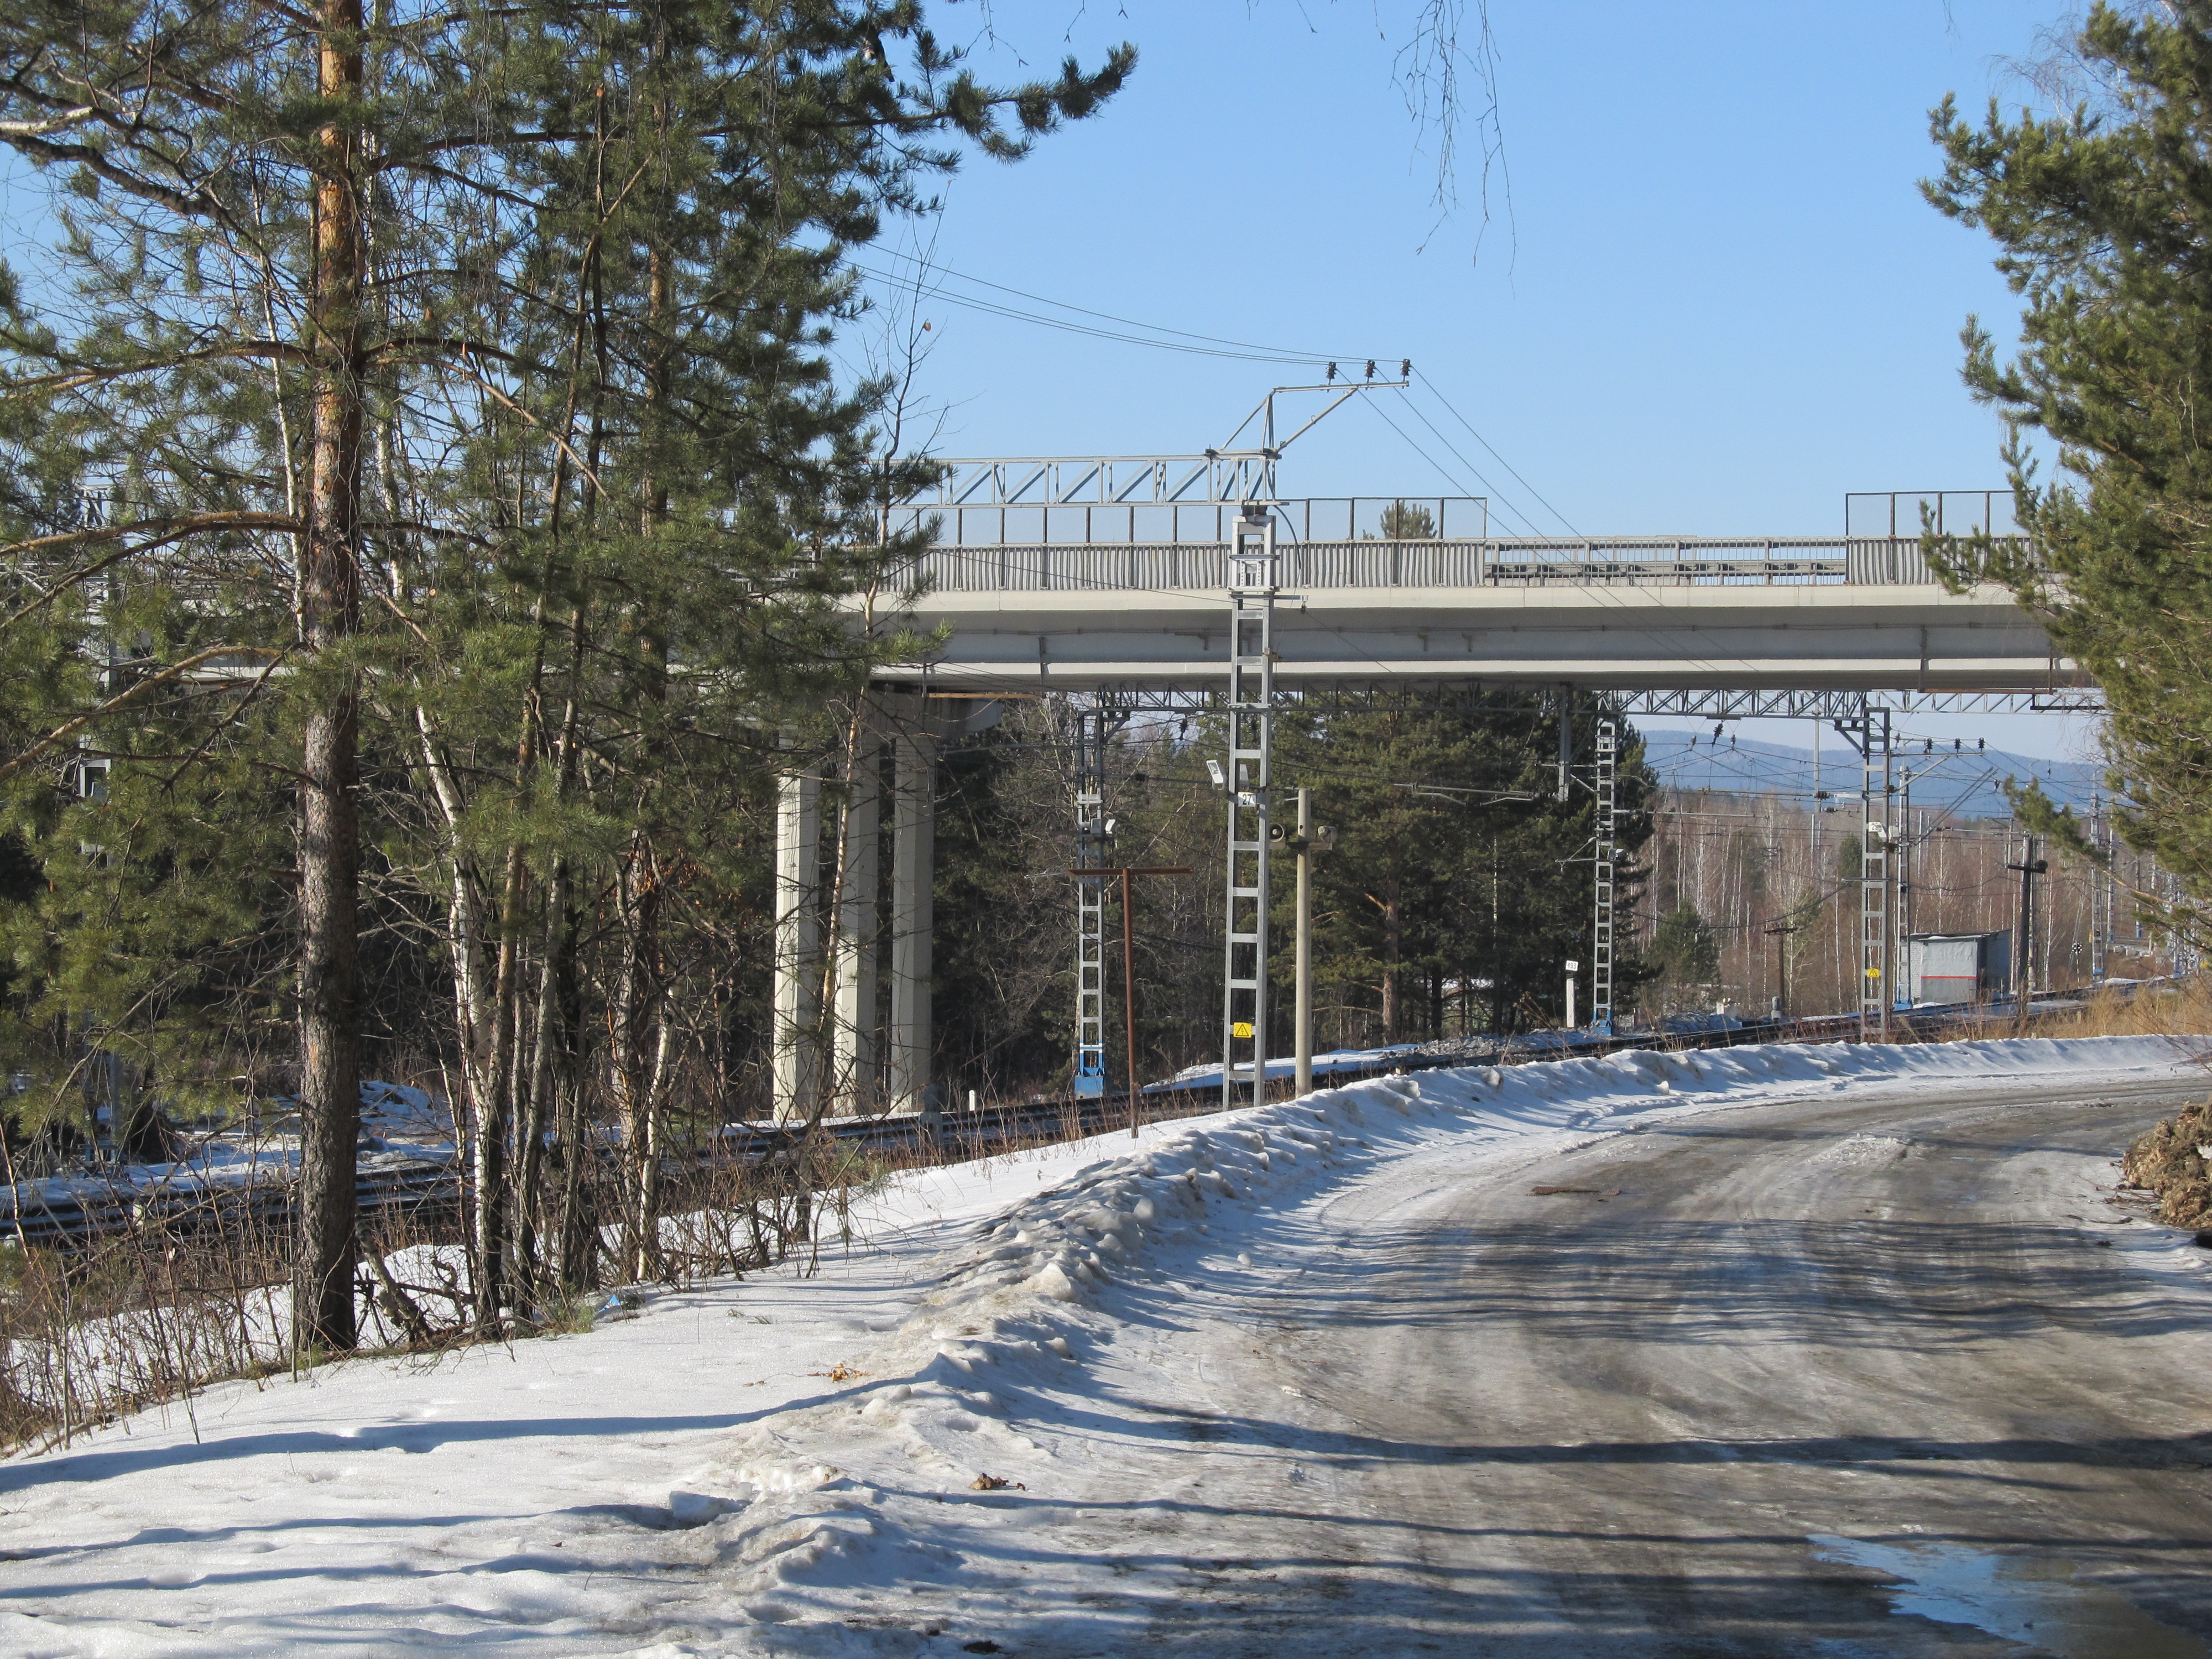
[(1967, 780)]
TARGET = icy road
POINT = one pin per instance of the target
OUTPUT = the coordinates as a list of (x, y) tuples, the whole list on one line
[(1833, 1352), (1775, 1361)]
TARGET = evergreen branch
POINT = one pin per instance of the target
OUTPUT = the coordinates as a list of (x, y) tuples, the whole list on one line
[(512, 407), (225, 723), (2042, 816), (408, 622), (199, 204), (462, 181), (70, 379), (168, 530), (438, 343), (257, 763), (128, 695)]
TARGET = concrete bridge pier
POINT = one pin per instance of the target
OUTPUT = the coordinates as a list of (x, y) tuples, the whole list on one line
[(854, 1055), (797, 936), (879, 1056), (914, 848)]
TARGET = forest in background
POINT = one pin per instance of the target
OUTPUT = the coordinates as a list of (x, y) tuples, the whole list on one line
[(1731, 869), (1458, 887)]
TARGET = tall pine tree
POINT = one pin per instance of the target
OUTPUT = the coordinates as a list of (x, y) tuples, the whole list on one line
[(492, 338), (2100, 215)]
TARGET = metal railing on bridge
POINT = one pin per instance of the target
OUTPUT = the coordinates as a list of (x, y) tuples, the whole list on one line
[(1008, 545), (956, 523), (1432, 562)]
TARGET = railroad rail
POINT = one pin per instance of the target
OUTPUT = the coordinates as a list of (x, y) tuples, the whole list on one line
[(428, 1192)]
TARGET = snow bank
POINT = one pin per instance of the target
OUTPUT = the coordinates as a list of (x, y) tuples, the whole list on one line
[(935, 1413)]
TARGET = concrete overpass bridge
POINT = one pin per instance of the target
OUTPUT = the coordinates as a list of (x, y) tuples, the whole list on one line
[(1119, 584), (1359, 598)]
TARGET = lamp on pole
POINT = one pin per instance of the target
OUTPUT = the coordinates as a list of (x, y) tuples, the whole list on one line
[(2030, 867)]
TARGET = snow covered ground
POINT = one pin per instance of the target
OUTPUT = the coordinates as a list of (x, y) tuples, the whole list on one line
[(858, 1462)]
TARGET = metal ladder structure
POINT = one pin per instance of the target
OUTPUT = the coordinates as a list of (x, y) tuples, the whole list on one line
[(1868, 732), (1092, 730), (1253, 585), (1606, 851)]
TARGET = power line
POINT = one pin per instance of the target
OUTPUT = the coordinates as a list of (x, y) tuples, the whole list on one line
[(992, 309), (1288, 353), (1494, 490), (1502, 461), (1238, 350), (1443, 471), (1206, 345)]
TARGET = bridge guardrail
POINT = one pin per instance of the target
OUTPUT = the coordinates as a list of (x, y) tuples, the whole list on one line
[(1643, 560)]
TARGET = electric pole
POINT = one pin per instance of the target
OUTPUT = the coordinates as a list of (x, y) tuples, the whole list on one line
[(1782, 934), (1304, 842), (2030, 867)]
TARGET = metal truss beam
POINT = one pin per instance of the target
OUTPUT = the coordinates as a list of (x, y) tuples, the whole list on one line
[(1216, 476), (1360, 696), (1834, 705)]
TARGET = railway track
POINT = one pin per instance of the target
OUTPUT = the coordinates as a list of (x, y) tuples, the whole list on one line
[(428, 1192)]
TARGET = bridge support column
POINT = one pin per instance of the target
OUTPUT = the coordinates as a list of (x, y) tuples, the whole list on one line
[(798, 939), (854, 1054), (914, 850)]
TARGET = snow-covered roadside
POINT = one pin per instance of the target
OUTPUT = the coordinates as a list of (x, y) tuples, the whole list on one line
[(800, 1466)]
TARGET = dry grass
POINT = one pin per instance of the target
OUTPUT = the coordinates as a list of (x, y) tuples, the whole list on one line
[(2165, 1161), (2170, 1161), (2181, 1011), (148, 1316)]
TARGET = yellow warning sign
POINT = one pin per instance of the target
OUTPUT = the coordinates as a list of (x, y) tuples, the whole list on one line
[(1242, 1028)]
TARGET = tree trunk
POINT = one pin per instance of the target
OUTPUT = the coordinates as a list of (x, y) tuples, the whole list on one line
[(495, 1107), (1394, 939), (636, 1004), (545, 1074), (330, 1056)]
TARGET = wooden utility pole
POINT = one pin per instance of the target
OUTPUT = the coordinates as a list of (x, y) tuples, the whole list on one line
[(2023, 971), (1782, 935), (1122, 872)]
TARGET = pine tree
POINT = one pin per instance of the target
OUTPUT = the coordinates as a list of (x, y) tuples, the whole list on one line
[(1684, 953), (2098, 213), (497, 336)]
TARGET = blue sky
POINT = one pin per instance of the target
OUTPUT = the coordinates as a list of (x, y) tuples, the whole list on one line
[(1707, 299), (1712, 302)]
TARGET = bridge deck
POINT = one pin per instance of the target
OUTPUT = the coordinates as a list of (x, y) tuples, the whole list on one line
[(1626, 613)]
